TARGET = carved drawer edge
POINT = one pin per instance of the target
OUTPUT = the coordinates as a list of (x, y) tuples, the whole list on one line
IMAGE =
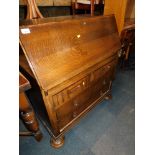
[(63, 96)]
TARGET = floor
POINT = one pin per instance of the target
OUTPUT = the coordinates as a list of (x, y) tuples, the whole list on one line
[(109, 129)]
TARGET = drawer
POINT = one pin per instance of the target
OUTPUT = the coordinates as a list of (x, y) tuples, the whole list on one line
[(96, 90), (70, 92), (83, 93), (106, 71), (65, 114), (77, 88), (72, 109), (66, 95)]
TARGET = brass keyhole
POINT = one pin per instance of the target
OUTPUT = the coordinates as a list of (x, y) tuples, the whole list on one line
[(108, 66)]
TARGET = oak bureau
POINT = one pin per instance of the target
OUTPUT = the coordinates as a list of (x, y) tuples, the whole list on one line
[(73, 60)]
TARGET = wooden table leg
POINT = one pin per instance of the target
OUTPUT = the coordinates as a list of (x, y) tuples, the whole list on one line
[(28, 116)]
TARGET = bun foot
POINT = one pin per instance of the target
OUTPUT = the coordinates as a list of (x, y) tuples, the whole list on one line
[(108, 97), (38, 136), (57, 143)]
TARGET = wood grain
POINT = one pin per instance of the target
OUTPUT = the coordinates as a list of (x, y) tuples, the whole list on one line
[(73, 60), (49, 48)]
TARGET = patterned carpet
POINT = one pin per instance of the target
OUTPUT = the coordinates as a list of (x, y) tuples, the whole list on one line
[(109, 129)]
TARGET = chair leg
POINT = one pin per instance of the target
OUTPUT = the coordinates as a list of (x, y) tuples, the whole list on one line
[(73, 8), (92, 7)]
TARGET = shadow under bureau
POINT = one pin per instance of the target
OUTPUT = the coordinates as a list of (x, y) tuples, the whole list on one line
[(73, 60)]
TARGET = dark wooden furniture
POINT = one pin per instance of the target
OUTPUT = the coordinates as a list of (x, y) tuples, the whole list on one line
[(32, 10), (26, 112), (85, 5), (128, 45), (73, 60)]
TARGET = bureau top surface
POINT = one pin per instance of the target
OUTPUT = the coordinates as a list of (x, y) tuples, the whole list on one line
[(58, 49)]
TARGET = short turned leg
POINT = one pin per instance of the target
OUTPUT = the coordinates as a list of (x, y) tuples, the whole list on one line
[(108, 97), (57, 143), (73, 8)]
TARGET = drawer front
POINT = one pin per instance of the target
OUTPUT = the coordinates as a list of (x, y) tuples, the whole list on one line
[(97, 90), (77, 88), (66, 95), (65, 114), (70, 92), (107, 71), (78, 104), (83, 93)]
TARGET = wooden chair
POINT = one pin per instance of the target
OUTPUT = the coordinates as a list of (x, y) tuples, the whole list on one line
[(128, 46), (85, 5), (32, 10)]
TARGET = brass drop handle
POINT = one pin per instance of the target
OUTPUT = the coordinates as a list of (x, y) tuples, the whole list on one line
[(74, 114), (120, 52), (74, 89), (101, 93), (104, 82), (75, 103), (108, 66)]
